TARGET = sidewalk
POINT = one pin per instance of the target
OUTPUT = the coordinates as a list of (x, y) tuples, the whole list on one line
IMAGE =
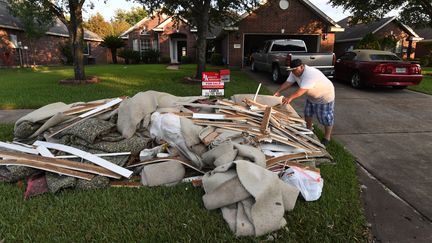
[(11, 116)]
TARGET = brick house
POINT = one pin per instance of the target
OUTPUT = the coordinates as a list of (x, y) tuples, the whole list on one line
[(405, 36), (277, 19), (298, 19), (17, 50), (421, 49), (173, 39)]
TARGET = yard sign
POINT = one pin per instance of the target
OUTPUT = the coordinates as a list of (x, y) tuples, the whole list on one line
[(212, 85)]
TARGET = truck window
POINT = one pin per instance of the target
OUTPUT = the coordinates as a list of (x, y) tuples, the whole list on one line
[(266, 47), (348, 56), (288, 46)]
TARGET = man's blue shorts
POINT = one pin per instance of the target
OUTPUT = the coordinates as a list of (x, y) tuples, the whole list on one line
[(323, 112)]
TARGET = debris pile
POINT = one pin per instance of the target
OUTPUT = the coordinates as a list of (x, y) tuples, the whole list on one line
[(235, 149)]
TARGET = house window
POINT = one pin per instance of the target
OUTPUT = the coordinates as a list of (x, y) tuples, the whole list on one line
[(145, 45), (14, 41), (399, 46), (135, 45), (87, 49)]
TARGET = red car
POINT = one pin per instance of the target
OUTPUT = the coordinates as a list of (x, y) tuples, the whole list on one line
[(376, 68)]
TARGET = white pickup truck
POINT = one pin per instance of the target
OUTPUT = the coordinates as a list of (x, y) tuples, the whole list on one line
[(276, 56)]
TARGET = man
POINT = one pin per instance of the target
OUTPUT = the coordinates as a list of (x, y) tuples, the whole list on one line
[(320, 95)]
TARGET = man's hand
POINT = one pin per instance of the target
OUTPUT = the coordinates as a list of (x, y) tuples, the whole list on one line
[(277, 94), (286, 100)]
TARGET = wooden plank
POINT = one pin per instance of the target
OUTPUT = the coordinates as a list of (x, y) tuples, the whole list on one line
[(209, 138), (88, 156), (44, 152), (318, 143), (82, 108), (47, 167), (101, 107), (289, 157), (67, 164), (291, 163), (266, 119), (158, 160), (20, 148)]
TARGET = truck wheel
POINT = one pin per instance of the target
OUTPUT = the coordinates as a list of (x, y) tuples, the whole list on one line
[(355, 81), (276, 74), (253, 67)]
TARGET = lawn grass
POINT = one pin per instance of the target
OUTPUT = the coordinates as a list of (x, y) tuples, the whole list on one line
[(425, 85), (166, 214), (26, 88)]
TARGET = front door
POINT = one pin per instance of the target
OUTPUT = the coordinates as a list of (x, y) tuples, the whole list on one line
[(178, 48), (181, 49)]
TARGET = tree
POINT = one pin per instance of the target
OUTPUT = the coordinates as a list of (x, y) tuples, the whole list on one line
[(119, 27), (132, 17), (369, 41), (98, 25), (34, 18), (201, 14), (416, 13), (70, 13), (113, 42)]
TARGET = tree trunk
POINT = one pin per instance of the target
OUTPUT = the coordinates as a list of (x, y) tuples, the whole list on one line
[(114, 55), (77, 34), (202, 29)]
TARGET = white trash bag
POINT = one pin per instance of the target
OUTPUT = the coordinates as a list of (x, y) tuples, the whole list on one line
[(308, 182)]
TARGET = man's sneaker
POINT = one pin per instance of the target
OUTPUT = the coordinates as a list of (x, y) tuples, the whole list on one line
[(325, 142)]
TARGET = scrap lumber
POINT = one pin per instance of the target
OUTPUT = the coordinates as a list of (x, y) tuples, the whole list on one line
[(209, 138), (82, 108), (88, 156), (296, 164), (158, 160), (17, 147), (266, 119), (102, 107), (47, 167), (67, 164), (289, 157)]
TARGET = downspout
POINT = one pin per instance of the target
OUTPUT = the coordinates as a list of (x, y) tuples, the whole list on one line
[(228, 50)]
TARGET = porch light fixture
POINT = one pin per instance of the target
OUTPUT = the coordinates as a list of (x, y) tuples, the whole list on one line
[(282, 31), (324, 36)]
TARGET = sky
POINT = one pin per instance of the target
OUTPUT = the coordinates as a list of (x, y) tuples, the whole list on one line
[(107, 9)]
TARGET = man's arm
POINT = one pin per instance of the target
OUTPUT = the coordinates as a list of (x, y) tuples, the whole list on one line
[(283, 87), (296, 94)]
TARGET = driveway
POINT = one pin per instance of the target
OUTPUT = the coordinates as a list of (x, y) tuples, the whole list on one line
[(390, 134)]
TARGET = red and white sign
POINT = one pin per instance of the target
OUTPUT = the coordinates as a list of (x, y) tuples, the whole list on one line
[(212, 85), (225, 75)]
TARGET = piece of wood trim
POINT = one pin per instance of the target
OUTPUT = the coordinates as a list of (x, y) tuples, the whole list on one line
[(296, 164), (102, 107), (47, 167), (88, 156), (289, 157), (99, 155), (82, 108), (67, 164), (266, 119), (44, 152), (20, 148), (209, 138), (306, 137), (159, 160)]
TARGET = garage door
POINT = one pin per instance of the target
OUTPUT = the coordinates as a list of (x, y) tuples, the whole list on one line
[(254, 42)]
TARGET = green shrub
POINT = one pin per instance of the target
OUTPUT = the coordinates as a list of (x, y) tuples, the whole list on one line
[(150, 56), (130, 56), (426, 61), (66, 52), (165, 59), (369, 41), (217, 59), (185, 60)]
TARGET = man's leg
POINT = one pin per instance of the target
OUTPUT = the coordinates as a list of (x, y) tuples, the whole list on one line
[(308, 120), (327, 132)]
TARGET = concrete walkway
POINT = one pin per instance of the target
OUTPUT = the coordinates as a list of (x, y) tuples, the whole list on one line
[(11, 116), (390, 134)]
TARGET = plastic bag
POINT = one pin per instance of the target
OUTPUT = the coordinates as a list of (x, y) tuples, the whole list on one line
[(308, 182)]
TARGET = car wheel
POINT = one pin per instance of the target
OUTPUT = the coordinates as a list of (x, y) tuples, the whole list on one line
[(399, 87), (355, 81), (276, 74), (253, 67)]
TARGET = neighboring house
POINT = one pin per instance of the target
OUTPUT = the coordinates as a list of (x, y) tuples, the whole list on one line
[(421, 49), (405, 36), (274, 19), (162, 33), (17, 50)]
